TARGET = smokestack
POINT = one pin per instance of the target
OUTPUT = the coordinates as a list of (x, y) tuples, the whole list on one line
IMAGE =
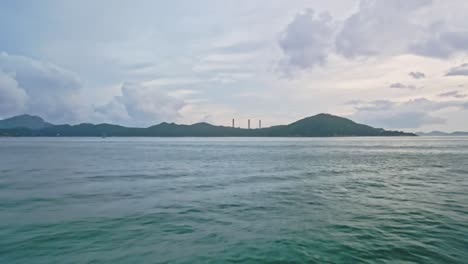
[(248, 123), (233, 123), (260, 123)]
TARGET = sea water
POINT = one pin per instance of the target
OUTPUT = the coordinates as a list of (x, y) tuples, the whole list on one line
[(239, 200)]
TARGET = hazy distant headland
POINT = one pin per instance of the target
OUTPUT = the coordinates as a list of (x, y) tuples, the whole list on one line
[(321, 125), (442, 134)]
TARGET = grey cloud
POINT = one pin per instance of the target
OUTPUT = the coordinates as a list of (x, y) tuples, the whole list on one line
[(239, 48), (461, 70), (36, 76), (140, 106), (139, 66), (35, 87), (379, 27), (389, 28), (455, 94), (403, 119), (429, 105), (353, 102), (402, 86), (402, 115), (307, 40), (441, 42), (417, 75)]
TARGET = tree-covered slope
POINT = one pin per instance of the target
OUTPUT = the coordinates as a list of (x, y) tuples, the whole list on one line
[(322, 125), (24, 121)]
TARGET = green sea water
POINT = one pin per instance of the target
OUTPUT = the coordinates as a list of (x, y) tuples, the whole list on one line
[(229, 200)]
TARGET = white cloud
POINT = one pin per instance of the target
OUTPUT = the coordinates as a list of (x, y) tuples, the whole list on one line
[(12, 98), (44, 89), (140, 106), (182, 93), (37, 87), (171, 81)]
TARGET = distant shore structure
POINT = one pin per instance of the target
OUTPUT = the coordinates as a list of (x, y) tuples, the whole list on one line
[(233, 121)]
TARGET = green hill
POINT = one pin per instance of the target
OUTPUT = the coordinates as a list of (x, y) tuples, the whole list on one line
[(322, 125), (24, 121)]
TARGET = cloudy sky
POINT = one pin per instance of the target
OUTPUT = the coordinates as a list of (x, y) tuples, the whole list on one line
[(396, 64)]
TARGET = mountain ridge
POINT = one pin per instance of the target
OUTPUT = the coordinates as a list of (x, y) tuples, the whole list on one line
[(320, 125), (442, 134), (24, 121)]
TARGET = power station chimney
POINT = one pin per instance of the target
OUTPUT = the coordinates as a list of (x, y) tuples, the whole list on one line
[(233, 123), (260, 123), (248, 123)]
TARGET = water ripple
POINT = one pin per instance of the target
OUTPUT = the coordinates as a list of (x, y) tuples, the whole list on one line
[(352, 200)]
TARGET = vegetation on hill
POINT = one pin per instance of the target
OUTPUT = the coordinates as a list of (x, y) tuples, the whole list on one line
[(24, 121), (322, 125)]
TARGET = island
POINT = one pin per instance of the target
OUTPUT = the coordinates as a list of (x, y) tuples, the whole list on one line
[(321, 125)]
